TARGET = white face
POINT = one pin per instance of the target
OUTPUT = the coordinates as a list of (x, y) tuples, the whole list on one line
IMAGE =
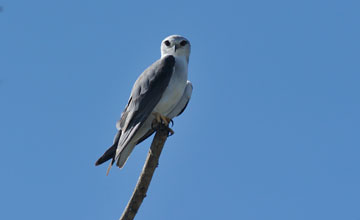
[(176, 45)]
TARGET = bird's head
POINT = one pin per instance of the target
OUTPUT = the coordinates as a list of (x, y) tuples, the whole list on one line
[(176, 45)]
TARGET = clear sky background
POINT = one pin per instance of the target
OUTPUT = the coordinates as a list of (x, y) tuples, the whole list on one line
[(271, 132)]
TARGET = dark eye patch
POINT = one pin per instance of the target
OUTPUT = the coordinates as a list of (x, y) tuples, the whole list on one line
[(183, 43), (167, 43)]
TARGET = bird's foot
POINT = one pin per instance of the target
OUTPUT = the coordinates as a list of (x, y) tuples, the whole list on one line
[(162, 120)]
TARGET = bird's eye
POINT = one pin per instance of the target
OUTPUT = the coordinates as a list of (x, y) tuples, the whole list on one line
[(183, 43), (167, 43)]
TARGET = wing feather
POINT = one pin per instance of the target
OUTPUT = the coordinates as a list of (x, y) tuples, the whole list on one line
[(145, 95)]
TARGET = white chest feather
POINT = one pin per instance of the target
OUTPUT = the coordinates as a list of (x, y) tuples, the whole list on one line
[(175, 89)]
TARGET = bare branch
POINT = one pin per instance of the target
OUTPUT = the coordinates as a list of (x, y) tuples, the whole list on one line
[(145, 177)]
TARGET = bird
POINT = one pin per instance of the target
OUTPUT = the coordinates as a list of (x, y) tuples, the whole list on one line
[(159, 94)]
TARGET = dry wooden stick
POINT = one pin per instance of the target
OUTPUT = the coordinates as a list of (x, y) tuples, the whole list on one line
[(147, 172)]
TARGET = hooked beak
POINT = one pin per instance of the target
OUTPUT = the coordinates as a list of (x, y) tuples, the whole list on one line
[(175, 47)]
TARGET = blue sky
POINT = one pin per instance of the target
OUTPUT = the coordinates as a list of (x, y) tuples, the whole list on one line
[(271, 132)]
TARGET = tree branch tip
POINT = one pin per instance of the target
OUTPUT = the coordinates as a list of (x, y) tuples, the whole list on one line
[(151, 163)]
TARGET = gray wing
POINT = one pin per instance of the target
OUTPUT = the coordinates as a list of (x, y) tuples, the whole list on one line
[(178, 110), (146, 93)]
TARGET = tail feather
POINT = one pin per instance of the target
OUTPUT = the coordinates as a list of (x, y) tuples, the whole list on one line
[(110, 153), (124, 155), (127, 143), (121, 154)]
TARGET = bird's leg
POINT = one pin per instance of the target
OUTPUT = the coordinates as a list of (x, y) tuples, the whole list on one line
[(161, 119)]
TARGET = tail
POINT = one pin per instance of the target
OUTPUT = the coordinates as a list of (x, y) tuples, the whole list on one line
[(127, 144), (124, 154), (109, 153)]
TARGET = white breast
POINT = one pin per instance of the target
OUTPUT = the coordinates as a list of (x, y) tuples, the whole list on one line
[(175, 89)]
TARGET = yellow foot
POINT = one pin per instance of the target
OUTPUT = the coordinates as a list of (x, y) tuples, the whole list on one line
[(161, 119)]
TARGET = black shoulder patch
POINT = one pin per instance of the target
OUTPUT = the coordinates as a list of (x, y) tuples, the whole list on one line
[(169, 60)]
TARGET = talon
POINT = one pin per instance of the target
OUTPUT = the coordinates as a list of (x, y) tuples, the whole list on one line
[(165, 120), (161, 119), (172, 122), (171, 132)]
